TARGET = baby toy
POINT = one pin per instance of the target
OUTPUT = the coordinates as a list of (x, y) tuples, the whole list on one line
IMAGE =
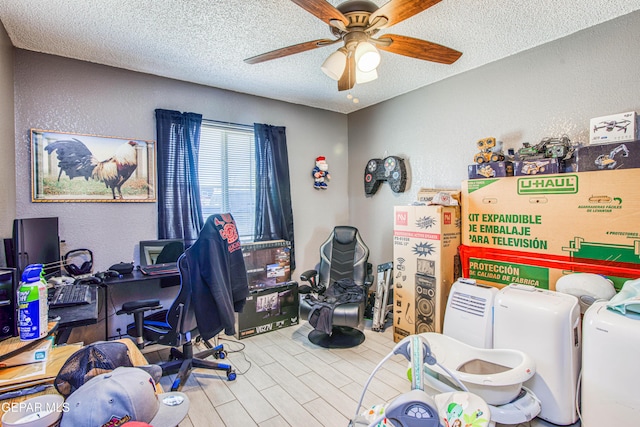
[(321, 174)]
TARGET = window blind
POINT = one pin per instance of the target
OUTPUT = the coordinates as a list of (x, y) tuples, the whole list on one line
[(227, 173)]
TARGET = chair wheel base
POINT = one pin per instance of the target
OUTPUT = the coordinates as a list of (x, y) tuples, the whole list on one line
[(341, 337)]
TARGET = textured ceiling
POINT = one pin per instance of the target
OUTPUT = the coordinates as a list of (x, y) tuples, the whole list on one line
[(205, 41)]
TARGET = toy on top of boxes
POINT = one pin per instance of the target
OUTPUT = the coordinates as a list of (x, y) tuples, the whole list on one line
[(550, 155), (614, 143), (614, 128), (490, 161)]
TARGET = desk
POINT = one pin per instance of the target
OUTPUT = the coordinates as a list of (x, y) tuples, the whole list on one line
[(166, 280), (137, 359), (14, 346), (136, 277), (77, 315)]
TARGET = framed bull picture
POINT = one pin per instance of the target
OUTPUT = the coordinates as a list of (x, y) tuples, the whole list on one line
[(68, 167)]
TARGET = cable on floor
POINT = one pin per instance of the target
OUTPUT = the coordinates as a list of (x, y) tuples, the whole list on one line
[(240, 350)]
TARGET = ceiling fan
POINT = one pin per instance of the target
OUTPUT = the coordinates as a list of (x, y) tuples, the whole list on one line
[(355, 22)]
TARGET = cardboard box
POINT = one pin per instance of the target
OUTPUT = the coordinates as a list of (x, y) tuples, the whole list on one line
[(426, 195), (268, 309), (580, 216), (425, 242), (500, 268), (624, 155), (614, 128), (543, 166), (490, 170), (38, 354)]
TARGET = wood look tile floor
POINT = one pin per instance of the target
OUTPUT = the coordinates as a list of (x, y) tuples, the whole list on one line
[(286, 381)]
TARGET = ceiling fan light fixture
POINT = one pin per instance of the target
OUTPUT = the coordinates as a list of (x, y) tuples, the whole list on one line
[(362, 77), (334, 65), (367, 57)]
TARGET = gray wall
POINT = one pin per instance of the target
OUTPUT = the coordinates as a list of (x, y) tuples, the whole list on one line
[(66, 95), (547, 91), (7, 139)]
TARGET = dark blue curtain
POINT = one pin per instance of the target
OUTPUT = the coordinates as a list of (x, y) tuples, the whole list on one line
[(179, 209), (274, 215)]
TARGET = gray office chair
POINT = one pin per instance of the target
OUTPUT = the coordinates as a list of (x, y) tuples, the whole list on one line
[(174, 327), (343, 256)]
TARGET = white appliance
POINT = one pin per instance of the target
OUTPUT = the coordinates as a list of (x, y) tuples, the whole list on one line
[(469, 313), (469, 319), (588, 287), (610, 374), (545, 325)]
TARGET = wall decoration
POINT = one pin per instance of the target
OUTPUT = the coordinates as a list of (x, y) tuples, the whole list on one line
[(68, 167), (392, 170), (321, 173)]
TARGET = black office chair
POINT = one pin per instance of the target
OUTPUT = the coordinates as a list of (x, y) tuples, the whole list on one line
[(343, 256), (174, 327)]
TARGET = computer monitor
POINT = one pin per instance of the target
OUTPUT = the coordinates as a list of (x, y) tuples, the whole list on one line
[(37, 241), (160, 251)]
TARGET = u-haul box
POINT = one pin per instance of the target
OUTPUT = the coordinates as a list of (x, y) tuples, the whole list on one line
[(574, 216)]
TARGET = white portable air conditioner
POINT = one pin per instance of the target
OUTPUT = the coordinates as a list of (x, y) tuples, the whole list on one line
[(468, 316), (545, 325), (610, 374)]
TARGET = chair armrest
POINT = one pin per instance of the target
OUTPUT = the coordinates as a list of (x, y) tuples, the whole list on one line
[(131, 307), (309, 275)]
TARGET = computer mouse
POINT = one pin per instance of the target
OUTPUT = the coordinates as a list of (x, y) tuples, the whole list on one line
[(91, 280)]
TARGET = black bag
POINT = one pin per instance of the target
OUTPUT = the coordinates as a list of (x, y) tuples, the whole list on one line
[(122, 268)]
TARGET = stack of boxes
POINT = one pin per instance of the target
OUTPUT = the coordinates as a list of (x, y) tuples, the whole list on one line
[(532, 230), (273, 298), (425, 242)]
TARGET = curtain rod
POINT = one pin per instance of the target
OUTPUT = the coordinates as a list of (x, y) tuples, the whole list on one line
[(218, 122)]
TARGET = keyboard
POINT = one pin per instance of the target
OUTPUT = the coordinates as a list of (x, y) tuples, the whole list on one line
[(70, 295), (152, 270)]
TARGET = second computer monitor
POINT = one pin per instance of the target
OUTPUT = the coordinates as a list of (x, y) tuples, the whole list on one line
[(160, 251)]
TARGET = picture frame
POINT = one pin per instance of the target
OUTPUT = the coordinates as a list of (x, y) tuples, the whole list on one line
[(72, 167)]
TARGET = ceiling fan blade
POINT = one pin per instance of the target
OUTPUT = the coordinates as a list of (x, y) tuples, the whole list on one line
[(322, 10), (420, 49), (290, 50), (399, 10), (348, 78)]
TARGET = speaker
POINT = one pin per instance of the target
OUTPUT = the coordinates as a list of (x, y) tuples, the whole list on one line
[(425, 304)]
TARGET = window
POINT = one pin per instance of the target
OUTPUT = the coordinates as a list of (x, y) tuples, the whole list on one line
[(227, 173)]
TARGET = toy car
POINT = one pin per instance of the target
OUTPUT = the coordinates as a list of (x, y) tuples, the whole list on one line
[(533, 167), (487, 171)]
